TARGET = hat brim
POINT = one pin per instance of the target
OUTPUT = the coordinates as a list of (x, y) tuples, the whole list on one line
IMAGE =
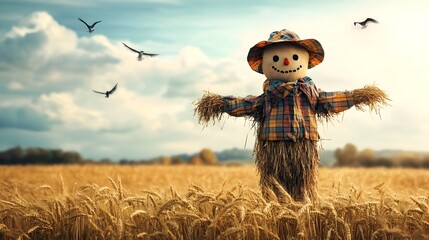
[(314, 48)]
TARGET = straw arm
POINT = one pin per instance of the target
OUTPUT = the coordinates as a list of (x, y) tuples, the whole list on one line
[(330, 104), (370, 96), (212, 106), (209, 107)]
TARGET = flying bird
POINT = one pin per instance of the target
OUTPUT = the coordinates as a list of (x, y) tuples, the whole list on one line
[(365, 23), (107, 93), (141, 53), (90, 27)]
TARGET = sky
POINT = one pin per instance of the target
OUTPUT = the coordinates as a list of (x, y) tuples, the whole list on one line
[(50, 63)]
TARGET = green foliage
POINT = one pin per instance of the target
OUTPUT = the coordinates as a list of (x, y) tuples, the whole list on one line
[(17, 155), (177, 160)]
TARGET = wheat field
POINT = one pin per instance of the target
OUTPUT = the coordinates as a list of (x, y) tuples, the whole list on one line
[(207, 202)]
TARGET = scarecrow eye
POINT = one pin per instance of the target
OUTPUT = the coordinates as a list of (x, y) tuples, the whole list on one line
[(275, 58), (295, 57)]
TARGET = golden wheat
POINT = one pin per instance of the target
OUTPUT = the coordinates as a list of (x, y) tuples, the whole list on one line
[(207, 203)]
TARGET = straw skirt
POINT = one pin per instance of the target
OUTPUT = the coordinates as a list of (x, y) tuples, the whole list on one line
[(290, 165)]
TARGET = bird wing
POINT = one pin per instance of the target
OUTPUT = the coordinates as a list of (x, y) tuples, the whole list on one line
[(84, 23), (113, 89), (98, 92), (371, 20), (93, 25), (132, 49), (150, 54)]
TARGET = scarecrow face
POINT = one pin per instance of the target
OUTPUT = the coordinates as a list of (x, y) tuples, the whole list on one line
[(285, 61)]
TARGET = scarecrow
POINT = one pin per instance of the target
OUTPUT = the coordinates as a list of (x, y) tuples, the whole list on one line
[(285, 114)]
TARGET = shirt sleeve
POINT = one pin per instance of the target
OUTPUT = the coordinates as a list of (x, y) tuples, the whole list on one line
[(238, 106), (334, 102)]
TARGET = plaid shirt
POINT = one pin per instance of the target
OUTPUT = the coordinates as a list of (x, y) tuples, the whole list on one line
[(289, 109)]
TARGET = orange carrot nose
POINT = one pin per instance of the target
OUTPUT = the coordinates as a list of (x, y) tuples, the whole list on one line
[(286, 62)]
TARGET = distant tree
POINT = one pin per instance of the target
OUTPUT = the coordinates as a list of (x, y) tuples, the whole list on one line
[(165, 161), (208, 157), (105, 161), (366, 157), (18, 155), (124, 161), (38, 156), (425, 162), (74, 157), (12, 156), (410, 160), (385, 162), (195, 160), (346, 156), (177, 160)]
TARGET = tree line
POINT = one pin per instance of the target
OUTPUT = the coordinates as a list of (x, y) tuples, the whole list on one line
[(18, 155), (349, 156), (24, 156), (205, 157)]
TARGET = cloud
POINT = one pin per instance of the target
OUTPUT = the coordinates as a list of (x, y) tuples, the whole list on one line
[(50, 71), (25, 118), (148, 114), (19, 50), (40, 54), (97, 2), (62, 108)]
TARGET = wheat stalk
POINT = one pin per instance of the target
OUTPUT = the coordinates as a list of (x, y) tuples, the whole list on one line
[(2, 226), (422, 205), (42, 187), (237, 232)]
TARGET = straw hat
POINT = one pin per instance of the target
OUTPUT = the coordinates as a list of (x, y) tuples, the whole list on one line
[(314, 48)]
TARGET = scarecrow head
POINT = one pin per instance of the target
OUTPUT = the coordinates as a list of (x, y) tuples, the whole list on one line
[(284, 56)]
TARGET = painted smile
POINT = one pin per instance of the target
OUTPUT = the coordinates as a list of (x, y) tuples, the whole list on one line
[(286, 71)]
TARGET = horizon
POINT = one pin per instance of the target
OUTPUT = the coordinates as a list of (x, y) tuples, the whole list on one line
[(190, 154), (49, 65)]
